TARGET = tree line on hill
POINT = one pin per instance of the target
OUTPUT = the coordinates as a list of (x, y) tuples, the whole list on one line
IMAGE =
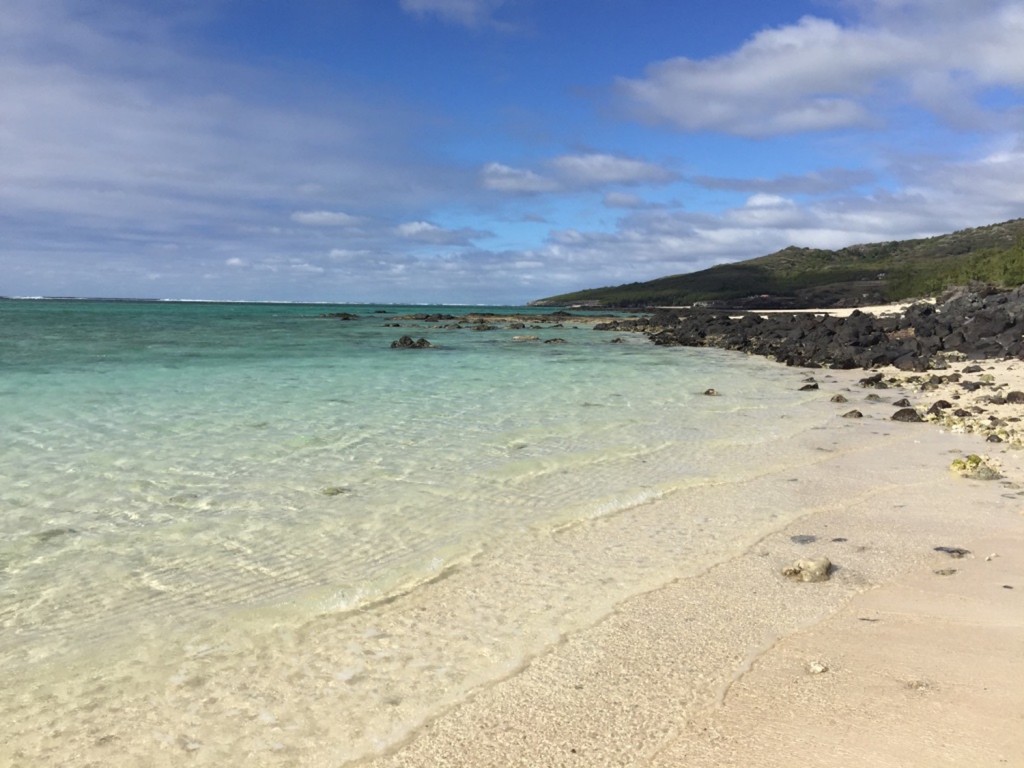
[(811, 277)]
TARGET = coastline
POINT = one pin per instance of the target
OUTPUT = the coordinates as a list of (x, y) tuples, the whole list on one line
[(902, 658)]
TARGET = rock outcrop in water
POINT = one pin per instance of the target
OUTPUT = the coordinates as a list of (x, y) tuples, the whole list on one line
[(966, 324), (407, 342)]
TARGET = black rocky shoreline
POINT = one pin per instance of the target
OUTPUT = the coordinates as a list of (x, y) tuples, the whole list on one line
[(965, 324)]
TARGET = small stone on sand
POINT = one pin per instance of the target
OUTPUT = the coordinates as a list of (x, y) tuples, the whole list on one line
[(818, 569)]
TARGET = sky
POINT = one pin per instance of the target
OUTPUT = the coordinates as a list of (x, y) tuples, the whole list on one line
[(487, 151)]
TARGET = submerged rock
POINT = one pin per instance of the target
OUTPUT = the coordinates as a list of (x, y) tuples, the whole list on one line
[(407, 342), (818, 569), (54, 533), (335, 490)]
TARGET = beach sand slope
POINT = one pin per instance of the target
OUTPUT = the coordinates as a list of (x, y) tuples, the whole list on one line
[(907, 656)]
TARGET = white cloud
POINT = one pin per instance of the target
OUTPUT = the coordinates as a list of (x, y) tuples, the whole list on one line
[(326, 218), (426, 232), (504, 178), (818, 75), (599, 169), (470, 13), (569, 173)]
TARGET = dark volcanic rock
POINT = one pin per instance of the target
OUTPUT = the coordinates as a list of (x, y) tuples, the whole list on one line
[(407, 342), (976, 323), (906, 414)]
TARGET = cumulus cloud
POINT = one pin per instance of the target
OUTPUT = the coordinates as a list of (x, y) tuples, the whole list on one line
[(326, 218), (432, 234), (598, 169), (504, 178), (469, 13), (573, 173), (819, 75), (934, 198)]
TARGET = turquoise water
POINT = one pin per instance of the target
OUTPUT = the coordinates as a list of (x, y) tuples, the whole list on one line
[(191, 487)]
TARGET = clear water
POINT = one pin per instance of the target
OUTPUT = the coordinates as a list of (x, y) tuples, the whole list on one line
[(219, 520)]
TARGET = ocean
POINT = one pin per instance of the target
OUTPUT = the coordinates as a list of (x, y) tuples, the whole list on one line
[(247, 533)]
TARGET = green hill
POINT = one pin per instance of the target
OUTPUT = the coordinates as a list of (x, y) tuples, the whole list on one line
[(854, 276)]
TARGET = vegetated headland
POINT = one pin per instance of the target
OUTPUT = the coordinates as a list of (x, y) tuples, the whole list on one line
[(858, 275)]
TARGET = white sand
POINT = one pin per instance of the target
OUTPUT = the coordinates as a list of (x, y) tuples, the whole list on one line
[(887, 664)]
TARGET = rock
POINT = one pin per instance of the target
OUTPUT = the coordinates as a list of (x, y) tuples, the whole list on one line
[(522, 339), (838, 399), (555, 341), (873, 398), (335, 490), (818, 569), (809, 387), (407, 342), (803, 538), (906, 414), (1016, 397), (817, 667), (711, 392), (854, 414), (340, 315), (944, 571), (902, 403), (975, 467), (54, 533)]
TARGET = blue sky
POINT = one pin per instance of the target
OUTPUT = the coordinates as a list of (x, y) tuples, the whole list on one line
[(487, 151)]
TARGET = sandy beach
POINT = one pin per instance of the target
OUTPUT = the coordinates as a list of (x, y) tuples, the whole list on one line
[(908, 655)]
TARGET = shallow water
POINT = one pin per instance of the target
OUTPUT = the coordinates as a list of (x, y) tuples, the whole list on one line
[(246, 529)]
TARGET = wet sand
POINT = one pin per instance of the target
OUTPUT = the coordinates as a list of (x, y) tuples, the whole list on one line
[(907, 656)]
